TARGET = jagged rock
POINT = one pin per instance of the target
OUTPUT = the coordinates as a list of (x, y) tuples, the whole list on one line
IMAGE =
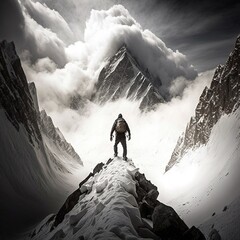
[(214, 235), (167, 224), (123, 77), (146, 195), (145, 184), (15, 97), (222, 97), (193, 234), (98, 168), (146, 210)]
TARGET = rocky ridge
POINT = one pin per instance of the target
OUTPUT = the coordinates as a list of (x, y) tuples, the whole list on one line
[(222, 97), (115, 201)]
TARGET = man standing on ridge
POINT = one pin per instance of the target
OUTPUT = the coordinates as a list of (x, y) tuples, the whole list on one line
[(120, 127)]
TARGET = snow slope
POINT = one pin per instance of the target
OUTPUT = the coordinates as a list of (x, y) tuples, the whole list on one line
[(204, 186)]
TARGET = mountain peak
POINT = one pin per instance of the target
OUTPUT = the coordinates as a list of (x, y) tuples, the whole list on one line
[(123, 77)]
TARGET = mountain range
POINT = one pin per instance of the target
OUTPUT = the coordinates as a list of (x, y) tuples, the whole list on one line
[(35, 157), (222, 97)]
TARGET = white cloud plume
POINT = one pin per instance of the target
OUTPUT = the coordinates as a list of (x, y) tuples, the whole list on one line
[(106, 31), (50, 19), (41, 41)]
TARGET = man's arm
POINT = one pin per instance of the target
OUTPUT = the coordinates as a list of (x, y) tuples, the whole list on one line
[(128, 130), (113, 128)]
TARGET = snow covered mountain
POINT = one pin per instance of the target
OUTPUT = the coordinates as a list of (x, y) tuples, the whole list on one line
[(35, 159), (62, 151), (123, 77), (115, 202), (223, 97)]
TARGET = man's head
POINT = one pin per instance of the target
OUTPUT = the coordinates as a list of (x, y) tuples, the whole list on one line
[(119, 115)]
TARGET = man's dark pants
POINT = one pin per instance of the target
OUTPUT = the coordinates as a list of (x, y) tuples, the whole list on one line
[(120, 138)]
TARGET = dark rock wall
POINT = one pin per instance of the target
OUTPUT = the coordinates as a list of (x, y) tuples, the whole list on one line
[(15, 97)]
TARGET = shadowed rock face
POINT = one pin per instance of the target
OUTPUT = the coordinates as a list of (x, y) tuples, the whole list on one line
[(15, 97), (223, 97), (123, 77)]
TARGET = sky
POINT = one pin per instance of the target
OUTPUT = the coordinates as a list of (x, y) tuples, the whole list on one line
[(204, 31)]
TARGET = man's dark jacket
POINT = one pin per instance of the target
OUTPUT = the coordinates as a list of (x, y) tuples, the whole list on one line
[(120, 135)]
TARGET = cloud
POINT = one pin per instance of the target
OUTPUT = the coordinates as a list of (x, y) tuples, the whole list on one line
[(106, 31), (42, 42), (114, 27), (50, 19)]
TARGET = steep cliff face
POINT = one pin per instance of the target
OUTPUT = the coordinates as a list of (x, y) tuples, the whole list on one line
[(223, 97), (123, 77), (115, 202), (35, 158), (15, 98)]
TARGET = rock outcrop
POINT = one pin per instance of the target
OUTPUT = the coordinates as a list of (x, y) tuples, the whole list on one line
[(222, 97)]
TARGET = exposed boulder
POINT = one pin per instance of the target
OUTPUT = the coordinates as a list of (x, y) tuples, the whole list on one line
[(167, 224)]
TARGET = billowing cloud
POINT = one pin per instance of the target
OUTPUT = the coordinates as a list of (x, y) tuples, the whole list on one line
[(50, 19), (114, 27), (106, 31), (43, 42)]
